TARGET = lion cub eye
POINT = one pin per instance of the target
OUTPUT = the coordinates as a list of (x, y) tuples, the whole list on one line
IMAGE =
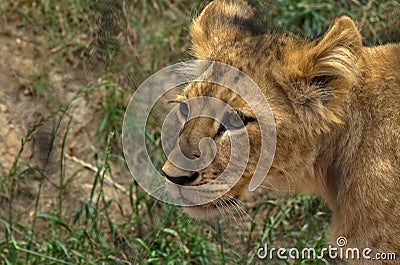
[(233, 121), (184, 109)]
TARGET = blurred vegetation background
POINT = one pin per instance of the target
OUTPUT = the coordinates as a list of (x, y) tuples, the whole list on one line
[(68, 69)]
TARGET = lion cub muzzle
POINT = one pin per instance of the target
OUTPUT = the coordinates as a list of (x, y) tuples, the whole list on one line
[(177, 175)]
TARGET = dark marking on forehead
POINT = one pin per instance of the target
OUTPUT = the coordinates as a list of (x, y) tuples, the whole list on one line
[(236, 79), (249, 25), (278, 54), (215, 72), (238, 76)]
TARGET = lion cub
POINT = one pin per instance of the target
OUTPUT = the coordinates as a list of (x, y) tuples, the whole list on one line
[(336, 106)]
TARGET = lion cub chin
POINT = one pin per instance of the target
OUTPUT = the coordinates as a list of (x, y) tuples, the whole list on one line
[(336, 106)]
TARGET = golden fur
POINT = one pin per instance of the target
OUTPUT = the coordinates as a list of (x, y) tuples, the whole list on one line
[(336, 106)]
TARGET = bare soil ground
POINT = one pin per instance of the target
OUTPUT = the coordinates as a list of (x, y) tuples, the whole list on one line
[(35, 115)]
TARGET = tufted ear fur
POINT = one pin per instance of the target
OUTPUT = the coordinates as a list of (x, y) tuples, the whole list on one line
[(221, 23), (320, 75), (335, 55)]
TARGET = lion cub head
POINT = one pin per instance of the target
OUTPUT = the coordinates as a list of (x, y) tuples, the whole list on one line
[(305, 83)]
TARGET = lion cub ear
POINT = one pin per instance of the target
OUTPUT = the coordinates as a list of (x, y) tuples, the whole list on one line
[(321, 73), (222, 22), (335, 55)]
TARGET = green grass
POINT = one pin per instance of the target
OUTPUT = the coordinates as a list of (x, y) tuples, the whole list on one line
[(377, 20), (116, 45)]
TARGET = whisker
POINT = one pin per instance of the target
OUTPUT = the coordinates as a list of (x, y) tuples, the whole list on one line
[(289, 179), (275, 189), (233, 202), (241, 207)]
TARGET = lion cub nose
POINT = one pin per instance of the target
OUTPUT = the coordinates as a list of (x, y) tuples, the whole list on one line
[(177, 175)]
